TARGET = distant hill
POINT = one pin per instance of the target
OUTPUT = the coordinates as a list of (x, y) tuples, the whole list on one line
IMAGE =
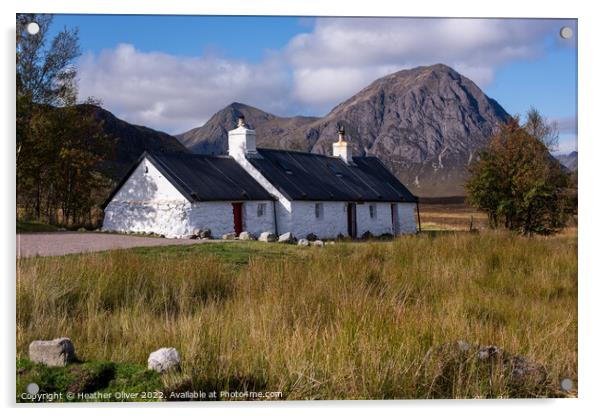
[(425, 124), (273, 131), (569, 161), (131, 141)]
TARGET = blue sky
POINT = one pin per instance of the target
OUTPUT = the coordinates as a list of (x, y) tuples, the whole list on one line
[(173, 72)]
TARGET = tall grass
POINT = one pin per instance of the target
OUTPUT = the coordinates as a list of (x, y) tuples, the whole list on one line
[(346, 321)]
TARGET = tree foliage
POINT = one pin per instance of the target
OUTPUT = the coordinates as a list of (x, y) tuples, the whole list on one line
[(59, 144), (517, 182)]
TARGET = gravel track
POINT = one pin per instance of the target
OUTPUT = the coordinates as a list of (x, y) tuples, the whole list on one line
[(61, 243)]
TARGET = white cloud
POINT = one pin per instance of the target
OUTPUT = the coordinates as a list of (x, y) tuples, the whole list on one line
[(314, 71), (177, 93), (566, 145), (566, 125), (345, 54)]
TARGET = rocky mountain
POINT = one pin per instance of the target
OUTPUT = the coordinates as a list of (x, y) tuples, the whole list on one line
[(426, 124), (569, 161), (130, 141), (272, 131)]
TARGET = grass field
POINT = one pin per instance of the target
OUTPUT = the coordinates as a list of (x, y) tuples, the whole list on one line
[(451, 216), (348, 321)]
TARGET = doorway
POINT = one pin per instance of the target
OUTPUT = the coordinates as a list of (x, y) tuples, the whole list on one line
[(394, 219), (237, 211), (351, 220)]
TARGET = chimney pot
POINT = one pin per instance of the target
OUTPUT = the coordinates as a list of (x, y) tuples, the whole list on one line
[(341, 134), (342, 149), (241, 121)]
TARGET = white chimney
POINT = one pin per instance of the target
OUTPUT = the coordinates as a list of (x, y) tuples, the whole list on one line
[(341, 148), (241, 140)]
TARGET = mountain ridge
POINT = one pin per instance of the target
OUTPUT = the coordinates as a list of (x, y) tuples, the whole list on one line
[(131, 140), (569, 160), (425, 123)]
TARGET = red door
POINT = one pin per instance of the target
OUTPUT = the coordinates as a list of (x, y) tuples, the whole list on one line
[(237, 211), (351, 221)]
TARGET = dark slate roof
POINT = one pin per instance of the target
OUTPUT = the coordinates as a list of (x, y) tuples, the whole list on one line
[(203, 177), (310, 176)]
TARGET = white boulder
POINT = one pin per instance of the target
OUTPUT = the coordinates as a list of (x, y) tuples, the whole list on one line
[(246, 236), (164, 359), (267, 237)]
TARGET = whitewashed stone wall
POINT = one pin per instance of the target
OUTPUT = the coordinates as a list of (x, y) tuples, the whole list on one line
[(254, 223), (380, 224), (147, 184), (148, 202), (406, 217), (219, 217), (332, 222), (334, 219)]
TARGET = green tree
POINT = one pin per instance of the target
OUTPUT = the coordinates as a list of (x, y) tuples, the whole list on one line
[(59, 144), (517, 182)]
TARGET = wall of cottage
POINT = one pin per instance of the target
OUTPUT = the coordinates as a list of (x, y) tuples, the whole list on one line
[(147, 202), (378, 224), (406, 218), (219, 217), (333, 219), (332, 222)]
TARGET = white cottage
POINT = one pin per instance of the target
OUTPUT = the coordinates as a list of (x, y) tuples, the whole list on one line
[(256, 190)]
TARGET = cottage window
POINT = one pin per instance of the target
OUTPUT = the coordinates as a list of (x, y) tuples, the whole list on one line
[(145, 169), (372, 211), (260, 209), (319, 208)]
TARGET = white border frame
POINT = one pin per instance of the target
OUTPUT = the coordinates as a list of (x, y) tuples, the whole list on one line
[(590, 149)]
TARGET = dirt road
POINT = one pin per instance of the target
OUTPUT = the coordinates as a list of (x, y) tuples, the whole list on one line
[(60, 243)]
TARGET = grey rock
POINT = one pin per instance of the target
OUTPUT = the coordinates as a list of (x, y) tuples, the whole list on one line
[(164, 359), (229, 236), (267, 237), (53, 353), (204, 233), (246, 236), (286, 238), (303, 242), (317, 243)]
